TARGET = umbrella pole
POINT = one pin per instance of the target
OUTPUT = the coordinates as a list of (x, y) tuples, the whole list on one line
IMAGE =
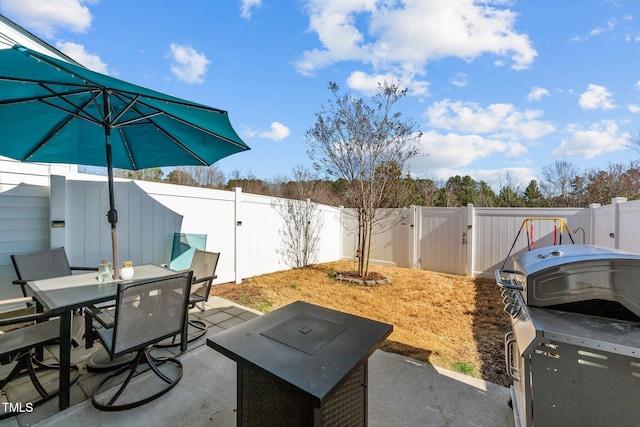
[(112, 215)]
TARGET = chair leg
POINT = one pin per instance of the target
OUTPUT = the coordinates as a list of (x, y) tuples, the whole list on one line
[(88, 331), (142, 356), (29, 363), (200, 325), (100, 361)]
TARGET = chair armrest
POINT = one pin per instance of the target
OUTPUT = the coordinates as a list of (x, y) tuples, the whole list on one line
[(21, 300), (103, 317), (84, 268), (204, 279), (8, 319)]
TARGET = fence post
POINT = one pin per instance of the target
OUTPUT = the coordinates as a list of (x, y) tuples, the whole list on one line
[(340, 233), (616, 220), (469, 240), (237, 235), (415, 237), (57, 206), (592, 223)]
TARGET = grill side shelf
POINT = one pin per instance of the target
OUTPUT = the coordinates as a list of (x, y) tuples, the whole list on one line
[(593, 332)]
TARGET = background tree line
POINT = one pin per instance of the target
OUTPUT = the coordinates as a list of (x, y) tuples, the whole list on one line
[(560, 184)]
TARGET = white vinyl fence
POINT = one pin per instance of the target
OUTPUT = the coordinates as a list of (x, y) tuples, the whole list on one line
[(475, 241), (69, 209), (44, 206)]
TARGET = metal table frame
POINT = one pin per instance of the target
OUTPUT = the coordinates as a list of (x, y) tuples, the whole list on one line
[(62, 295)]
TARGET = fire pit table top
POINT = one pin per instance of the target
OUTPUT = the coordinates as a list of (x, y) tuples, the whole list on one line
[(308, 346)]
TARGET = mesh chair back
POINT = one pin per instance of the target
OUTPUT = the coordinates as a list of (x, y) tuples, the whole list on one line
[(41, 265), (150, 311), (204, 264)]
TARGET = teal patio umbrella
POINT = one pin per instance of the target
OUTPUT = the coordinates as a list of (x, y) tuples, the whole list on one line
[(53, 111)]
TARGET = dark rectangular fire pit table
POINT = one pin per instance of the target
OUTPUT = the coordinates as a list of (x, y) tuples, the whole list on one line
[(302, 365)]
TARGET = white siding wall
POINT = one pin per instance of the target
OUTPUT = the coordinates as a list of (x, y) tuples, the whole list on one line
[(24, 216)]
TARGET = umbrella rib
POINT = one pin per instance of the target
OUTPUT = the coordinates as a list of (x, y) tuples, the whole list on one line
[(39, 98), (75, 114), (57, 129), (126, 147), (76, 109), (180, 144), (126, 108), (200, 128), (130, 102)]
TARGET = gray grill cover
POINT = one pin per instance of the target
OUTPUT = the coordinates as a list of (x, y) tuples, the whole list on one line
[(570, 273)]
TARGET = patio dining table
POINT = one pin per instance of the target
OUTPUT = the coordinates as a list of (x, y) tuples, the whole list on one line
[(62, 295)]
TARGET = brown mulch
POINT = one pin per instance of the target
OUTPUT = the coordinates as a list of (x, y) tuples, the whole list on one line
[(450, 321)]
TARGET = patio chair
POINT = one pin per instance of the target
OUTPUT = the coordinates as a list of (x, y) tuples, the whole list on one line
[(43, 265), (20, 337), (146, 312), (204, 266)]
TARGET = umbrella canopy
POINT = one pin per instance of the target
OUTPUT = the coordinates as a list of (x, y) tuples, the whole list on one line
[(52, 111)]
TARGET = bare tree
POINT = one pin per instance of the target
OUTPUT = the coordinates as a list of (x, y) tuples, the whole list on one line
[(509, 191), (300, 232), (151, 174), (556, 182), (634, 142), (365, 145)]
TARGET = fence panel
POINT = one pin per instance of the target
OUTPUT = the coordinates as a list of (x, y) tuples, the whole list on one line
[(628, 229), (496, 230), (391, 241), (604, 226), (441, 240), (247, 229)]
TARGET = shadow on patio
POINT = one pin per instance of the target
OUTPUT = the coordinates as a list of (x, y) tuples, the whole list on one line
[(401, 391)]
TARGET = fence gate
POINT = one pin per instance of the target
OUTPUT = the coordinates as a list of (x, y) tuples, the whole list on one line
[(442, 237)]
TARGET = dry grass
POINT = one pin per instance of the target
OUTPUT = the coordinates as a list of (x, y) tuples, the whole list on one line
[(450, 321)]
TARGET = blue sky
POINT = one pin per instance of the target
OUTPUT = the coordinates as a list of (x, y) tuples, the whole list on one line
[(499, 87)]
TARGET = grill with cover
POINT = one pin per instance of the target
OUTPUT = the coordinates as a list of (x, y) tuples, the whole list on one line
[(574, 349)]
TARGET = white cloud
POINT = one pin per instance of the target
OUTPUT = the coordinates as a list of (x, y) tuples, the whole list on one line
[(278, 132), (596, 98), (611, 24), (368, 83), (537, 93), (454, 150), (247, 6), (502, 121), (49, 16), (599, 138), (460, 80), (247, 133), (189, 66), (403, 37), (78, 52), (634, 108)]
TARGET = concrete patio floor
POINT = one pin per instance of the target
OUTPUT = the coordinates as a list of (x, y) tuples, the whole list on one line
[(401, 391)]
